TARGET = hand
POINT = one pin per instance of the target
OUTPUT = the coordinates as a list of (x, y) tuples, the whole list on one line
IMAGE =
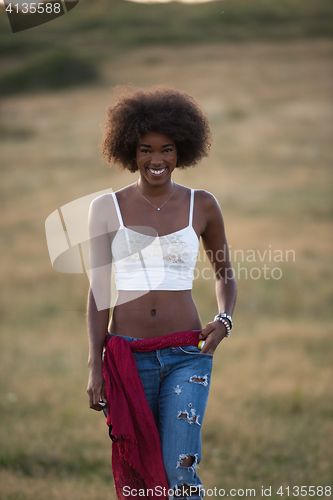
[(213, 333), (96, 389)]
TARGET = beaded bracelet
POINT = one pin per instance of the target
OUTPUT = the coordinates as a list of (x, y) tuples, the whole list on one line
[(226, 316), (226, 324)]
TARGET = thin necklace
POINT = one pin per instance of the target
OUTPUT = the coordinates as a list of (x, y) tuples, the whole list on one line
[(158, 208)]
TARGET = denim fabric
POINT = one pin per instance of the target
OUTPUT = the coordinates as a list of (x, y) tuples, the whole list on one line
[(176, 381)]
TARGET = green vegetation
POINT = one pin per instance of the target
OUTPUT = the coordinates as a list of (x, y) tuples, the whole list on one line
[(103, 30), (51, 70), (129, 23)]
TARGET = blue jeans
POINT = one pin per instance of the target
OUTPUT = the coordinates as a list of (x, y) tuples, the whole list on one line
[(176, 381)]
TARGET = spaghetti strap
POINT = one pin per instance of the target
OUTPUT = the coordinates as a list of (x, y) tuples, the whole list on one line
[(117, 209), (191, 208), (121, 223)]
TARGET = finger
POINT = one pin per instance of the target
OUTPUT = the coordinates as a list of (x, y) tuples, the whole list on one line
[(97, 396), (208, 348), (103, 395), (98, 406), (94, 399), (211, 343), (91, 399), (206, 331), (98, 403)]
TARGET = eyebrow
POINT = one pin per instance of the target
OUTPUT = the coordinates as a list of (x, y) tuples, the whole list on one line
[(148, 146)]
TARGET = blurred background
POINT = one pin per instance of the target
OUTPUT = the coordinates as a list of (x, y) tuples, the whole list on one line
[(262, 71)]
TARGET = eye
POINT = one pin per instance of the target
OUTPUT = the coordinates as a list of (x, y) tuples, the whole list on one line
[(169, 150), (146, 151)]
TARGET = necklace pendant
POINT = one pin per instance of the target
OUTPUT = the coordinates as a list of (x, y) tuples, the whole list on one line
[(158, 208)]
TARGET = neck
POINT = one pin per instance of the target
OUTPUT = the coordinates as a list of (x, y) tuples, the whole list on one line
[(155, 191)]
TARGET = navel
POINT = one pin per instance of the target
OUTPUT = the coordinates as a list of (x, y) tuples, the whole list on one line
[(153, 312)]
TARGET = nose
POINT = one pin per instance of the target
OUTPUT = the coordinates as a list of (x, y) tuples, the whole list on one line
[(156, 159)]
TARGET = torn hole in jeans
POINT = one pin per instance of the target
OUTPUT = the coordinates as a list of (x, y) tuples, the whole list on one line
[(200, 379), (188, 460), (191, 418)]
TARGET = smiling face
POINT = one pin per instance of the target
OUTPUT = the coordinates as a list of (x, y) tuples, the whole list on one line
[(156, 157)]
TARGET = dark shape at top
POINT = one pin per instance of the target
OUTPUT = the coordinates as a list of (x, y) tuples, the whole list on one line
[(70, 4), (23, 17), (21, 21)]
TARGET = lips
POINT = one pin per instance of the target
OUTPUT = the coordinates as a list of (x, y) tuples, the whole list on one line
[(157, 171)]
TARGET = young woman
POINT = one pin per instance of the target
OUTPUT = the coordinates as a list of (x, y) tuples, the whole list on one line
[(151, 231)]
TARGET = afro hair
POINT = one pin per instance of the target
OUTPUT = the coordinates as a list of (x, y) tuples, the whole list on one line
[(159, 109)]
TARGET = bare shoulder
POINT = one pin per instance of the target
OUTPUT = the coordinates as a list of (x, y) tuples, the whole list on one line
[(103, 216), (207, 212), (206, 202), (126, 192), (201, 197), (106, 201), (101, 201), (205, 197)]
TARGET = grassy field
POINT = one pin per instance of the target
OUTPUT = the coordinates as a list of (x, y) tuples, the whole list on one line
[(102, 31), (270, 413)]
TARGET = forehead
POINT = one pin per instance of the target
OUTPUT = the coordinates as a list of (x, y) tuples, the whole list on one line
[(155, 139)]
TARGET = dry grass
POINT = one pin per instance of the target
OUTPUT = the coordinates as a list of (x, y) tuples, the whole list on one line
[(269, 419)]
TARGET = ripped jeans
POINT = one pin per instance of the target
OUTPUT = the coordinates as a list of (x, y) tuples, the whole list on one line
[(176, 381)]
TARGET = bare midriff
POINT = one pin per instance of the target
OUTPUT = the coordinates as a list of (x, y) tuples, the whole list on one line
[(154, 314)]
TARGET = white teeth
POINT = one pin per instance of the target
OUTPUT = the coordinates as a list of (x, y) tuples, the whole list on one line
[(157, 172)]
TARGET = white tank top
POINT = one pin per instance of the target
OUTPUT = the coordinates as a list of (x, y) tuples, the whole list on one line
[(144, 262)]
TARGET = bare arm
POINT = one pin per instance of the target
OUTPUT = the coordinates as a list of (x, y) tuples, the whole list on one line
[(97, 327), (216, 246), (99, 299)]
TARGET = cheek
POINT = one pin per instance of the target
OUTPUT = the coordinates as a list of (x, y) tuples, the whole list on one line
[(141, 158)]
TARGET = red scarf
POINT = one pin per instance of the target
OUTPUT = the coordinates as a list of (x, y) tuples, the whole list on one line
[(136, 449)]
